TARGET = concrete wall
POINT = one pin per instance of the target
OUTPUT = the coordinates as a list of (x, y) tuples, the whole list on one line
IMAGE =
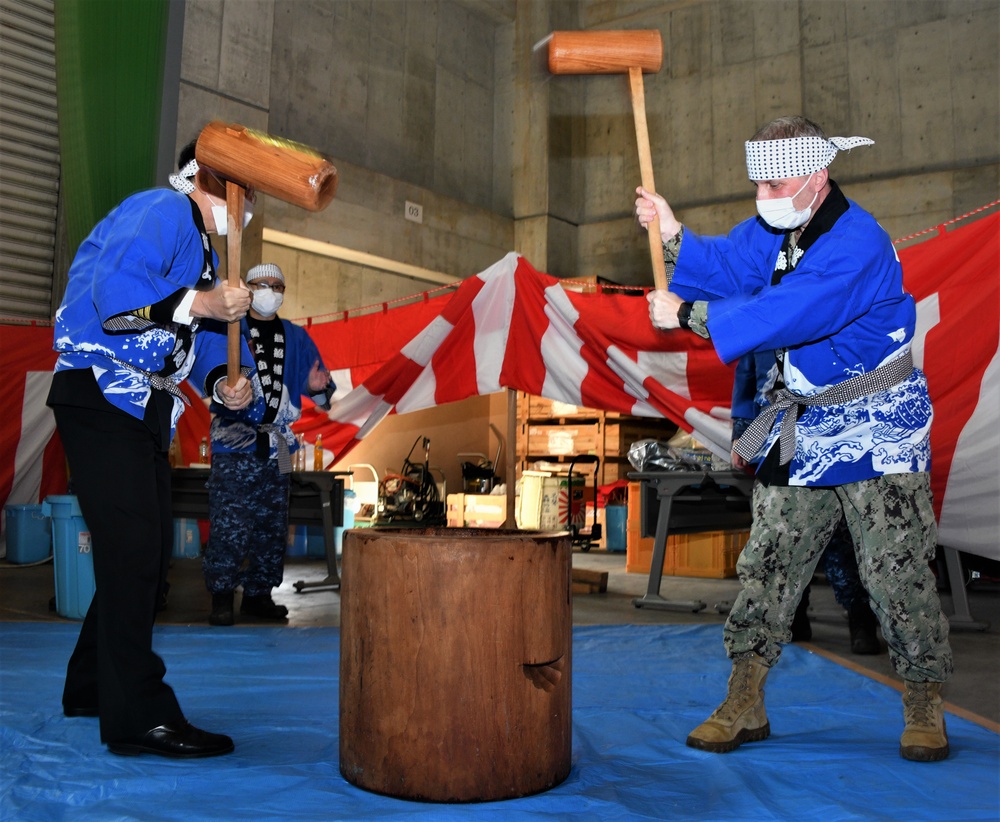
[(920, 78), (446, 103)]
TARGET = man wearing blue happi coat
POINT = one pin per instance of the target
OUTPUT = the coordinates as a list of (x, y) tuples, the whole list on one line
[(251, 457), (846, 429), (128, 332)]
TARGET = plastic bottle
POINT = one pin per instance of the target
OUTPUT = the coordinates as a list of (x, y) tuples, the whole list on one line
[(174, 455), (203, 451), (318, 453)]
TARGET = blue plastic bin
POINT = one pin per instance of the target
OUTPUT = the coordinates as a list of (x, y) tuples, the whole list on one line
[(29, 537), (298, 541), (72, 560), (315, 541), (616, 525), (187, 539)]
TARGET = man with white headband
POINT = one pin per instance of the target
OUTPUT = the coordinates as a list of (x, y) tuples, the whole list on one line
[(846, 429), (249, 482), (128, 332)]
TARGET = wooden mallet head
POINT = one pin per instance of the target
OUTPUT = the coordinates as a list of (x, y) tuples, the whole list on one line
[(619, 52), (605, 52), (282, 168)]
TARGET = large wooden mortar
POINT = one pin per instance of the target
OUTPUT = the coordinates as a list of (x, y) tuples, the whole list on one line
[(455, 667)]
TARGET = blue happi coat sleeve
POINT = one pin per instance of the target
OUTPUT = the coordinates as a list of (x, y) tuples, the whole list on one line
[(304, 355), (849, 281), (211, 358), (146, 250)]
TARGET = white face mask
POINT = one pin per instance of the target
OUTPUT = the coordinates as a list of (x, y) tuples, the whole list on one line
[(220, 213), (781, 213), (266, 301)]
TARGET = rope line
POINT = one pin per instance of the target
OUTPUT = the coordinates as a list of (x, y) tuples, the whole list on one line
[(424, 295)]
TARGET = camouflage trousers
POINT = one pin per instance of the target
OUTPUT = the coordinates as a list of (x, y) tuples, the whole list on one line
[(892, 525), (248, 513)]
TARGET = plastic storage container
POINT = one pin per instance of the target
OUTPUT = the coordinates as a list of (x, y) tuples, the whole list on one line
[(72, 560), (616, 527), (187, 539), (315, 542), (29, 537), (298, 541)]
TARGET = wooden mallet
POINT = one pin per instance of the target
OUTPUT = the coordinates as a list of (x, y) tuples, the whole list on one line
[(619, 52), (282, 168)]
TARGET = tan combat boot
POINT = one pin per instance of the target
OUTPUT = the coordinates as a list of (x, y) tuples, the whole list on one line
[(924, 737), (741, 718)]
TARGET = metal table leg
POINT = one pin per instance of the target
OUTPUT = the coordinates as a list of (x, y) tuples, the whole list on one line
[(962, 619), (332, 580), (652, 598)]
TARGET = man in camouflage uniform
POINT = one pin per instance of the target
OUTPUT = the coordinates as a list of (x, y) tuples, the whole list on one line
[(251, 463), (846, 431)]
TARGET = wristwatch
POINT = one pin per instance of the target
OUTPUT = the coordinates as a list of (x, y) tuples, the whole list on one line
[(684, 314)]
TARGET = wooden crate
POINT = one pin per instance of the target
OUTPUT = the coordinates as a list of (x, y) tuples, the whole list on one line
[(540, 408), (562, 440), (619, 436), (614, 469), (706, 554), (610, 439)]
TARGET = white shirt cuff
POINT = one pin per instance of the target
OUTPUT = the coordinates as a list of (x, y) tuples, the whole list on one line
[(182, 314), (215, 390)]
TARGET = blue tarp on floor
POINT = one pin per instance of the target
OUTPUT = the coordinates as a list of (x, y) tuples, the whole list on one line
[(637, 692)]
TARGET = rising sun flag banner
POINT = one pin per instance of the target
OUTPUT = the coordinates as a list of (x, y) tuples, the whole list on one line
[(514, 327), (511, 326)]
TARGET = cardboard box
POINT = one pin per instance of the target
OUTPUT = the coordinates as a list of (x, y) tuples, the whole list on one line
[(547, 503), (476, 510)]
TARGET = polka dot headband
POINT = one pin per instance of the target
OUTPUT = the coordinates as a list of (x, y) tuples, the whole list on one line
[(181, 180), (795, 156), (264, 270)]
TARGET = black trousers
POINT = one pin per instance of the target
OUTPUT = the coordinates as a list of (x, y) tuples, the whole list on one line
[(120, 473)]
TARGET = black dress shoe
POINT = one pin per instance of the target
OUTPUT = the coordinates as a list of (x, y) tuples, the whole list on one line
[(179, 740), (80, 710)]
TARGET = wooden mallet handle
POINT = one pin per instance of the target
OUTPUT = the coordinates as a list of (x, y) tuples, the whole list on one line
[(646, 174), (234, 242), (629, 52)]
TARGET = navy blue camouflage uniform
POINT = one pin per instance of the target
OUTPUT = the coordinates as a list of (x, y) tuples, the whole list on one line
[(247, 490)]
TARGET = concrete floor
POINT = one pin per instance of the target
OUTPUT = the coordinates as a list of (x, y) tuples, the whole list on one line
[(974, 691)]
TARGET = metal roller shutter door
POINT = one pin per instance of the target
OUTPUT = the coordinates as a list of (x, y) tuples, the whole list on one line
[(29, 157)]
